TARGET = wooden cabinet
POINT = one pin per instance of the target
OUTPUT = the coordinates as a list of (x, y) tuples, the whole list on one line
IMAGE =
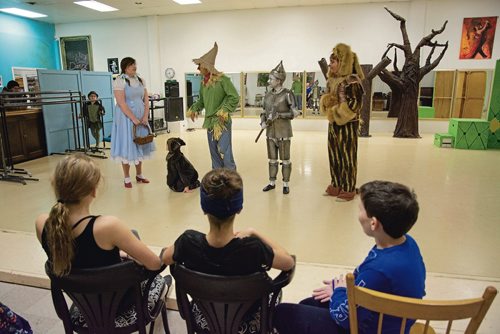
[(26, 134)]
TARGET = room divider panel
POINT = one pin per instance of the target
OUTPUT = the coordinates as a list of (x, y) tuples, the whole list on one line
[(60, 120)]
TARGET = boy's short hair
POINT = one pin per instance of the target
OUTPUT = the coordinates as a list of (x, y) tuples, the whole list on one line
[(92, 93), (393, 204)]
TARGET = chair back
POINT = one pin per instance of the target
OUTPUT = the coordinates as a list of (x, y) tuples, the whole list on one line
[(225, 300), (417, 309), (98, 293)]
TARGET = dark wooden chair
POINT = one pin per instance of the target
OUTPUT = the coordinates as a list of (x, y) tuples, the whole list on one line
[(224, 301), (97, 293)]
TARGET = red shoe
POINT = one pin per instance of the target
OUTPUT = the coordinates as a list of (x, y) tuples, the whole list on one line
[(332, 191), (141, 179), (128, 184), (345, 196)]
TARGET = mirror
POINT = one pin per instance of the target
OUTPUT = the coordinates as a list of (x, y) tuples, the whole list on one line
[(380, 98), (255, 88), (235, 79), (193, 82), (315, 87)]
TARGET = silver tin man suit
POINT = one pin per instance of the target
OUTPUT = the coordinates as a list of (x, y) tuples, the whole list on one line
[(279, 106)]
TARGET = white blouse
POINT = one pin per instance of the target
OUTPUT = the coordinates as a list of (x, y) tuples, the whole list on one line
[(119, 83)]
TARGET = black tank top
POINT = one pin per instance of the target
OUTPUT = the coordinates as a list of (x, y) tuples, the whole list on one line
[(87, 253)]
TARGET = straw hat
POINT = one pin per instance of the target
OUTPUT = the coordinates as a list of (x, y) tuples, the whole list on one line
[(208, 59)]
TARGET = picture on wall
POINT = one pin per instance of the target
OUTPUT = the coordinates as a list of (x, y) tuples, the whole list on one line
[(113, 65), (478, 34), (76, 52)]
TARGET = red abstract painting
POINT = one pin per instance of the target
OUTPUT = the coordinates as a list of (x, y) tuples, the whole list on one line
[(478, 34)]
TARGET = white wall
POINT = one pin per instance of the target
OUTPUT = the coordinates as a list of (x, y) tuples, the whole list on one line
[(255, 40)]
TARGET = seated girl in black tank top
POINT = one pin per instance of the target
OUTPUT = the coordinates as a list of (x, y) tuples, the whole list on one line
[(71, 237)]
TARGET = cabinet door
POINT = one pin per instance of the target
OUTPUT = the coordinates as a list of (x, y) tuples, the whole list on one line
[(16, 138), (470, 89), (475, 89), (34, 136), (443, 93)]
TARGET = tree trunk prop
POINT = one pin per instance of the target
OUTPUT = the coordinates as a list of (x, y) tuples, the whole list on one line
[(370, 72), (404, 83)]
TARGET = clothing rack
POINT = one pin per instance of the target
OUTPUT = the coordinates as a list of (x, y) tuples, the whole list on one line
[(27, 100)]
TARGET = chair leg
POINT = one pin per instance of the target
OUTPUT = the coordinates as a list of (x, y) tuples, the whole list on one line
[(151, 327), (165, 320)]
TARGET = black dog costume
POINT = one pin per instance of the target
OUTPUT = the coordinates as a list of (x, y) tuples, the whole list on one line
[(180, 172)]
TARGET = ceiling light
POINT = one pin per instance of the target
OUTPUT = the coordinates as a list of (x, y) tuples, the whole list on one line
[(96, 6), (187, 2), (22, 12)]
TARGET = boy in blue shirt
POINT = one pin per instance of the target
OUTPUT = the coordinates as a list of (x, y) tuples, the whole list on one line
[(387, 211)]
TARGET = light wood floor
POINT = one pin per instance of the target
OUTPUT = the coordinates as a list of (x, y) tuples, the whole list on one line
[(458, 229)]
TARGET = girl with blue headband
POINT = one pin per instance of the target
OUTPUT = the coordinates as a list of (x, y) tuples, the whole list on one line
[(222, 251)]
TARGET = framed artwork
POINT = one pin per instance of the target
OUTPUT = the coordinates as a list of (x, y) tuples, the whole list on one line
[(76, 52), (478, 34), (113, 65)]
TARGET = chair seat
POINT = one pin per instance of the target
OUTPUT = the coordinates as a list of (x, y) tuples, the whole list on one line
[(128, 317)]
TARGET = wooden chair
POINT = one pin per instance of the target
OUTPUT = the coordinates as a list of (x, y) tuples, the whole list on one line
[(224, 301), (411, 308), (97, 295)]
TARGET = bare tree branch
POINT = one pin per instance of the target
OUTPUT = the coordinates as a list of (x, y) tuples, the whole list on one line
[(399, 46), (390, 79), (395, 64), (429, 57), (389, 47), (402, 26), (429, 67), (427, 39)]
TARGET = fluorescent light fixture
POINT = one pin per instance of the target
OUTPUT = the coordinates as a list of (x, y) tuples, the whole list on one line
[(187, 2), (22, 12), (96, 6)]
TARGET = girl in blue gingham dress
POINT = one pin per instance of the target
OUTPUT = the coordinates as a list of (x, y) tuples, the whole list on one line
[(123, 148)]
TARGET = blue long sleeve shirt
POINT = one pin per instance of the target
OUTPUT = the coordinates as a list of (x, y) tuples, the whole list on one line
[(398, 270)]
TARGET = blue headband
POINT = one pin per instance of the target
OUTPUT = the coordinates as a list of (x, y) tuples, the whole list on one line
[(221, 208)]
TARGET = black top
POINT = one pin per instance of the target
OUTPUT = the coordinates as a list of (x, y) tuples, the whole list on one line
[(87, 253), (239, 257)]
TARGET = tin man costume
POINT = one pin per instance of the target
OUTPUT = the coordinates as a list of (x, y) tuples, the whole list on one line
[(279, 110)]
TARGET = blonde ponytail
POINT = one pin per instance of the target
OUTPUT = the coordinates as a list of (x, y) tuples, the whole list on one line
[(60, 239), (75, 177)]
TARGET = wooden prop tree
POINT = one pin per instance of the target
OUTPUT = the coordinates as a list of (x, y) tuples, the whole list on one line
[(404, 83)]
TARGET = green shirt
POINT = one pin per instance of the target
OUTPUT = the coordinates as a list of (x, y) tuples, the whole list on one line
[(218, 95), (297, 87)]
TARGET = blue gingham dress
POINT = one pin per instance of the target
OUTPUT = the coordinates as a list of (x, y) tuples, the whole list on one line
[(123, 148)]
